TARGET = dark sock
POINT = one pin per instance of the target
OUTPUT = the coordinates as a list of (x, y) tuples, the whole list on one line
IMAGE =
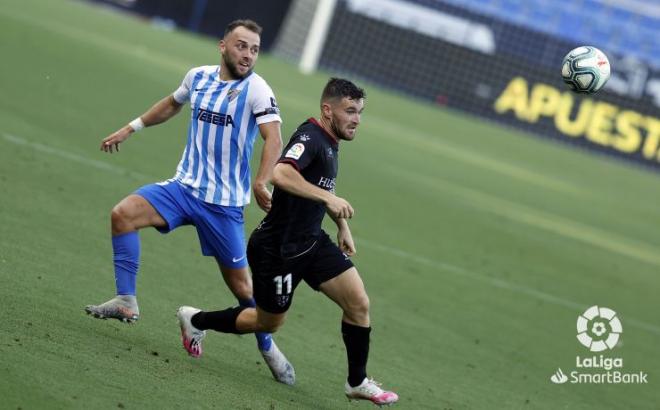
[(222, 320), (356, 339)]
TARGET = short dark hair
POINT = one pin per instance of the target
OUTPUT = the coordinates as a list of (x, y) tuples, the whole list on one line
[(340, 88), (248, 24)]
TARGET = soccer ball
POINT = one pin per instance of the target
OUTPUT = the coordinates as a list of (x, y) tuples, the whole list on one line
[(585, 69)]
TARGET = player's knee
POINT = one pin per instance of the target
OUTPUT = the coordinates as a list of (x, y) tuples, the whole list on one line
[(358, 305), (121, 220), (117, 216)]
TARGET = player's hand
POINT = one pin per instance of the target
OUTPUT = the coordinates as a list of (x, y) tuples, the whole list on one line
[(116, 138), (345, 242), (262, 195), (339, 207)]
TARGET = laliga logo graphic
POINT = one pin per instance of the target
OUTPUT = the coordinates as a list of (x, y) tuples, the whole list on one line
[(598, 328)]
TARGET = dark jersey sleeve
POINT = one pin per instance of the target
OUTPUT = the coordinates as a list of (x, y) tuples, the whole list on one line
[(301, 151)]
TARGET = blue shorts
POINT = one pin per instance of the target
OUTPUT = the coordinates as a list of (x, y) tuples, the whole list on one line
[(220, 228)]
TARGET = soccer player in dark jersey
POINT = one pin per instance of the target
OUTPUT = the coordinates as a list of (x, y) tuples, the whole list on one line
[(289, 245)]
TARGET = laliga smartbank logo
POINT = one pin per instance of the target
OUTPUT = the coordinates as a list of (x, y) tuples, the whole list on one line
[(598, 329)]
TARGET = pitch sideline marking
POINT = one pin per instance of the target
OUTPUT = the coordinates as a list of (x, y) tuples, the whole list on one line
[(74, 157), (422, 260), (393, 131), (389, 128), (498, 283), (543, 220)]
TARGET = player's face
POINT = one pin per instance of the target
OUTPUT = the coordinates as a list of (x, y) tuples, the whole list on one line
[(240, 50), (345, 117)]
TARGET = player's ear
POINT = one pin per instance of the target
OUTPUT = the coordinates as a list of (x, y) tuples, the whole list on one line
[(326, 109), (222, 45)]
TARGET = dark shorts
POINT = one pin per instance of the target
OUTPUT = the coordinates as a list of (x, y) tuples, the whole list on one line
[(275, 278), (219, 228)]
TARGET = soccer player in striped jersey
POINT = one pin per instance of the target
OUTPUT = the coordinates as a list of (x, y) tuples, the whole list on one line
[(230, 104)]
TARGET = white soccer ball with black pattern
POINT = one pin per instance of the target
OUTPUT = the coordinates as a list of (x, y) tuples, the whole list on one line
[(585, 69)]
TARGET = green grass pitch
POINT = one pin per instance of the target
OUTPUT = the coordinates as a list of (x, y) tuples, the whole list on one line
[(479, 245)]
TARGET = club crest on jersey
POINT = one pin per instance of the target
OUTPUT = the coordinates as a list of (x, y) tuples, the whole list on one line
[(232, 94), (295, 151), (215, 118)]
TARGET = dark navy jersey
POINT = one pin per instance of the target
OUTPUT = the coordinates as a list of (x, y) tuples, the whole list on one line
[(293, 223)]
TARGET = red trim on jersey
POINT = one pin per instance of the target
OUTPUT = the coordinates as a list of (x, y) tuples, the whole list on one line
[(333, 139), (289, 161)]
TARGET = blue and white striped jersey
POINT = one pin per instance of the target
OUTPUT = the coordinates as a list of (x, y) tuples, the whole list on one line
[(225, 115)]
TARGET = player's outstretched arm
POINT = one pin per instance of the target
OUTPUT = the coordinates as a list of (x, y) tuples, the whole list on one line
[(160, 112), (272, 136), (286, 177)]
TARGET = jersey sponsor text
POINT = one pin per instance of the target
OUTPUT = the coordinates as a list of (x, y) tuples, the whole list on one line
[(215, 118)]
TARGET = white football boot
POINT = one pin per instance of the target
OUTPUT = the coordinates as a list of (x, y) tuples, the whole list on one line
[(278, 364), (191, 337), (370, 390), (121, 307)]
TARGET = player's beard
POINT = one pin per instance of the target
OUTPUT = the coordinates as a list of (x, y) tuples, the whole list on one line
[(231, 66), (338, 132)]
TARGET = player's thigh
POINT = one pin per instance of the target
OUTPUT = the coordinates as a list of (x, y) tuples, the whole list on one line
[(273, 280), (168, 205), (347, 290), (331, 271), (221, 234), (138, 212)]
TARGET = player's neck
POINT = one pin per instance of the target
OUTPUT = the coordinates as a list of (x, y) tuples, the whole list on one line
[(224, 73), (327, 127)]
